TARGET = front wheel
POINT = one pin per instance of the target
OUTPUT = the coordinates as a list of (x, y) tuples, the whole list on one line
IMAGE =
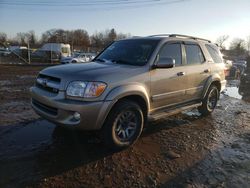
[(210, 101), (123, 125)]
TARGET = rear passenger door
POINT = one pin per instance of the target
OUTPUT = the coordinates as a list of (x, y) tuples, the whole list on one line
[(197, 70)]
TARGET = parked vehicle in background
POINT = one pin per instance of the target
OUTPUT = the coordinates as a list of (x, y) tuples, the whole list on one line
[(228, 66), (13, 48), (241, 65), (62, 49), (4, 52), (20, 52), (51, 52), (236, 70), (78, 58), (244, 88), (131, 81), (45, 56)]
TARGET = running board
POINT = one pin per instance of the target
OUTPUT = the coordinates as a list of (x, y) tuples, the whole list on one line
[(170, 112)]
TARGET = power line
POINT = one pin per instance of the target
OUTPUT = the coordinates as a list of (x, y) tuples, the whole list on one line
[(88, 3)]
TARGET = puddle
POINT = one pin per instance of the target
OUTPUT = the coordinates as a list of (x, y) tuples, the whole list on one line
[(232, 92), (26, 138), (5, 82), (14, 104), (26, 76), (193, 113)]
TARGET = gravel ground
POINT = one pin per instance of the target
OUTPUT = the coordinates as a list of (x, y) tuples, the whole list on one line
[(185, 150)]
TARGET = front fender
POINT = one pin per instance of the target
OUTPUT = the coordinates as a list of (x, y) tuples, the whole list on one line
[(128, 90)]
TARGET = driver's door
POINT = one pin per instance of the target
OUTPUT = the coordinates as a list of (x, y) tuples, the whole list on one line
[(168, 85)]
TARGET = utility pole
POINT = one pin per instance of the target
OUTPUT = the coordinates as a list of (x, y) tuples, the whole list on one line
[(51, 53), (28, 52)]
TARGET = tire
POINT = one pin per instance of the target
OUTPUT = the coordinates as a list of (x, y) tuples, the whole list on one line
[(123, 125), (74, 61), (210, 101)]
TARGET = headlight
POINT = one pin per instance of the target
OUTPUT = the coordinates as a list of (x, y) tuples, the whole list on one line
[(85, 89), (76, 89)]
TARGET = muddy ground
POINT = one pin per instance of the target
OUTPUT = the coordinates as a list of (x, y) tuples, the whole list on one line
[(185, 150)]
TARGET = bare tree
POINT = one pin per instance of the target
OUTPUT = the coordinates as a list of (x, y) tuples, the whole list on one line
[(31, 38), (20, 37), (97, 41), (123, 36), (111, 35), (248, 43), (3, 38), (221, 41), (80, 39), (51, 36), (237, 47), (100, 40)]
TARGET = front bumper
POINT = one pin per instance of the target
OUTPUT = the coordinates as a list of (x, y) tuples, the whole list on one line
[(59, 110)]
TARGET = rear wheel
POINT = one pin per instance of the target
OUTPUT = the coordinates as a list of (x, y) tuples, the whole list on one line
[(74, 61), (210, 101), (123, 125)]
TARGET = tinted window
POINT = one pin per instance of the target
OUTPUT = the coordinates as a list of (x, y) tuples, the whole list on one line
[(214, 53), (172, 51), (81, 56), (194, 54), (132, 52)]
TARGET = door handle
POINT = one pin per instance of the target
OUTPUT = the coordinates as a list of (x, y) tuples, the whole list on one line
[(180, 73), (207, 70)]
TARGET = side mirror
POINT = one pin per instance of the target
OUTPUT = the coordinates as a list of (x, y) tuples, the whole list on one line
[(165, 62)]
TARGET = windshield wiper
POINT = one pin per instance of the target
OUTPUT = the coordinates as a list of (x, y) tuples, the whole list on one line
[(101, 60), (119, 61)]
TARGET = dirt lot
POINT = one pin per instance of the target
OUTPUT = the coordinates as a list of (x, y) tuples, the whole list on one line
[(186, 150)]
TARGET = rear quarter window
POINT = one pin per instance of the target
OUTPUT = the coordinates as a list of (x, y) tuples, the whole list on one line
[(214, 53)]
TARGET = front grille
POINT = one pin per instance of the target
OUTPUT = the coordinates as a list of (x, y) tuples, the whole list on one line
[(50, 89), (48, 83), (45, 108)]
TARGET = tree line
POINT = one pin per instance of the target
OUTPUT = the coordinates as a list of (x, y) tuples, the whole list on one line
[(79, 39), (237, 47)]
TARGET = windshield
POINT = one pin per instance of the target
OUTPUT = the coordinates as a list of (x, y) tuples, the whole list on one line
[(75, 55), (132, 52)]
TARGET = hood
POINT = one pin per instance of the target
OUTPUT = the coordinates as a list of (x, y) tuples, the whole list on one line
[(93, 71)]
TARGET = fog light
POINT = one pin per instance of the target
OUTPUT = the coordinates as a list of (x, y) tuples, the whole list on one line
[(77, 116)]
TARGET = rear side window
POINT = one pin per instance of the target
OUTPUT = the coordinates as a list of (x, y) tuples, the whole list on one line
[(214, 53), (65, 50), (194, 54), (172, 51)]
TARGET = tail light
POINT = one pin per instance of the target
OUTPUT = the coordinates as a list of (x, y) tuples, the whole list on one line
[(226, 72)]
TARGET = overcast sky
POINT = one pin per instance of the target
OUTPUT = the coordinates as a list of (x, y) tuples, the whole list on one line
[(203, 18)]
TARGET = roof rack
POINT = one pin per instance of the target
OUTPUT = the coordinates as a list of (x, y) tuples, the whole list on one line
[(160, 35), (180, 36)]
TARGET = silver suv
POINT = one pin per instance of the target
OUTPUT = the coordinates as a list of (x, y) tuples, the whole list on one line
[(129, 82)]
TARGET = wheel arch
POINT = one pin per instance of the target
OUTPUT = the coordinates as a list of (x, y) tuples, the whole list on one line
[(213, 80), (118, 94)]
